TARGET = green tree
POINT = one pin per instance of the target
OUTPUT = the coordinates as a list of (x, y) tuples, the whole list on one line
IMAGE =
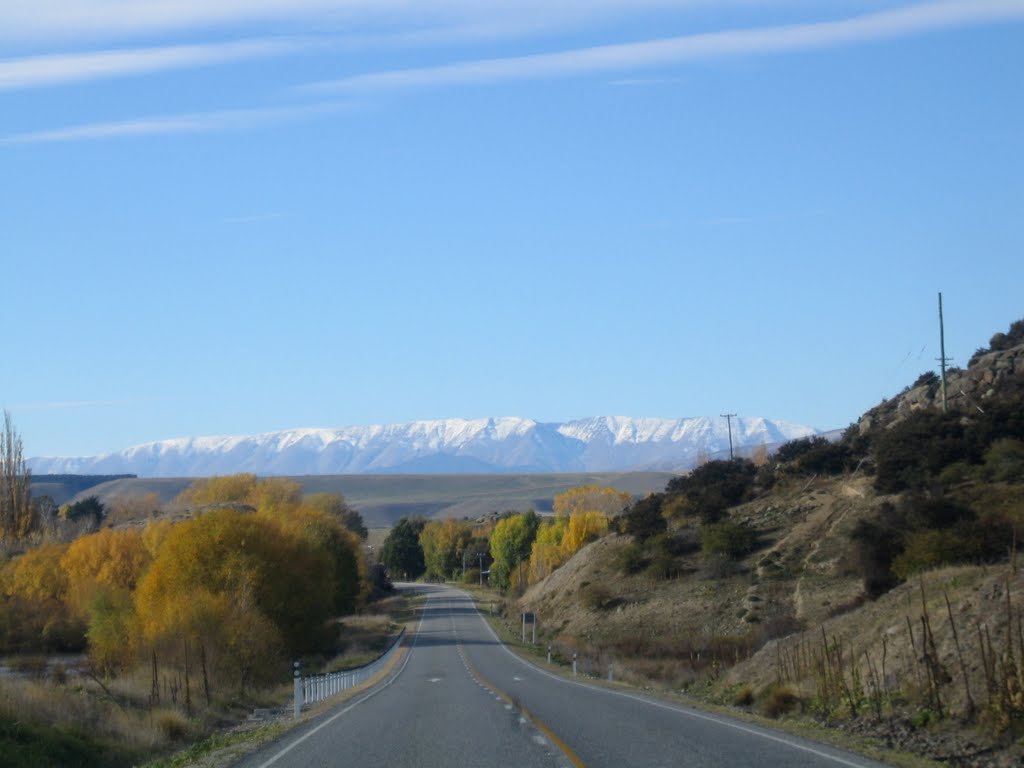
[(511, 542), (402, 553)]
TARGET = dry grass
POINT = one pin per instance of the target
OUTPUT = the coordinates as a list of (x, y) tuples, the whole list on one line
[(81, 708)]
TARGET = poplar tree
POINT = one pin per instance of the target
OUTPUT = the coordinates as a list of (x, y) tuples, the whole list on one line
[(15, 497)]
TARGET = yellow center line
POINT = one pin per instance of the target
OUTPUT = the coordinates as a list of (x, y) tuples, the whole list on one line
[(566, 749)]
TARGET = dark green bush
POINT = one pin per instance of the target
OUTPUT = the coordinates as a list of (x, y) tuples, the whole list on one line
[(644, 518), (909, 454), (729, 539), (714, 487), (1004, 461), (631, 559)]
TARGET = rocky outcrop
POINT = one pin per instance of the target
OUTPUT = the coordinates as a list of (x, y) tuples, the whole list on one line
[(966, 389)]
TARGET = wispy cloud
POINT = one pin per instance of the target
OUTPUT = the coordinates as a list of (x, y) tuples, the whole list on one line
[(633, 82), (911, 20), (59, 19), (198, 122), (37, 71)]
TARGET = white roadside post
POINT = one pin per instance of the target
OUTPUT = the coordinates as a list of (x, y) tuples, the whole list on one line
[(298, 688)]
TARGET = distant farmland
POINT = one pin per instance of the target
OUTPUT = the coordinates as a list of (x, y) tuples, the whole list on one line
[(383, 499)]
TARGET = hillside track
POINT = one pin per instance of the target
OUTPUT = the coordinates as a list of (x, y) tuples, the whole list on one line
[(461, 698)]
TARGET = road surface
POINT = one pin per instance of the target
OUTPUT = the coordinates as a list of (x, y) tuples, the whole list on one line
[(461, 698)]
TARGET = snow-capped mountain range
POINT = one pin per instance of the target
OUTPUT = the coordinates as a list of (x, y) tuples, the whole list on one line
[(446, 446)]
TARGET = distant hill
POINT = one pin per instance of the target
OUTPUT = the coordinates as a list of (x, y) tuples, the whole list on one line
[(383, 499), (449, 446)]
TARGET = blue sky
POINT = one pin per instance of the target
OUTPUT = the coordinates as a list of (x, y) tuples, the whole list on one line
[(233, 217)]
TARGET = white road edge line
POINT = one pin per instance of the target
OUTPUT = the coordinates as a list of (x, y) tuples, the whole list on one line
[(356, 703), (679, 710)]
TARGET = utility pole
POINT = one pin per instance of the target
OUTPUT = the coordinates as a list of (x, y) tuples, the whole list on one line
[(728, 420), (942, 355)]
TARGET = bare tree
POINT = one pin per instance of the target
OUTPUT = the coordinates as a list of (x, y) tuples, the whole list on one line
[(15, 497)]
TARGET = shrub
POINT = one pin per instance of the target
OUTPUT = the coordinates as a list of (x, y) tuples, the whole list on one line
[(1004, 461), (910, 453), (729, 539), (744, 697), (956, 473), (630, 559), (780, 700), (875, 544), (794, 449), (644, 519), (596, 597), (825, 458), (929, 549), (714, 487), (172, 724)]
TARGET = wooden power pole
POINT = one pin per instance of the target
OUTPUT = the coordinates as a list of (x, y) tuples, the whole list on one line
[(728, 420), (942, 355)]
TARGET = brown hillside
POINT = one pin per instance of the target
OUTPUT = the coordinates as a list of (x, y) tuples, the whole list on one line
[(794, 579)]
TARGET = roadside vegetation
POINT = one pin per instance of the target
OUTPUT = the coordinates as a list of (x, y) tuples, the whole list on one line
[(134, 630)]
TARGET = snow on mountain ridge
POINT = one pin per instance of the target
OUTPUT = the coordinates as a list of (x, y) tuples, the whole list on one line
[(504, 444)]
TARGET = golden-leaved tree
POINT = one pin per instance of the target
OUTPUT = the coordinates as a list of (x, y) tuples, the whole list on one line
[(102, 571), (443, 542)]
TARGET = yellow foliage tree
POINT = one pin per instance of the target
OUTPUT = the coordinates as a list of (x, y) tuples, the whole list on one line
[(546, 552), (276, 496), (238, 489), (583, 528), (37, 574), (443, 542), (592, 498), (105, 560)]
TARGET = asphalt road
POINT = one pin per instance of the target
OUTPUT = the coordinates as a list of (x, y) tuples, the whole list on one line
[(461, 698)]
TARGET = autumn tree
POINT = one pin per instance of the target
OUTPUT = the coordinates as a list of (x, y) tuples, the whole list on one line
[(220, 489), (443, 543), (235, 590), (15, 498), (33, 615), (326, 534), (104, 561), (546, 550), (334, 504), (37, 574), (592, 498)]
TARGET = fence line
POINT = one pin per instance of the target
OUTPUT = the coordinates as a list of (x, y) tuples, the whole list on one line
[(310, 690)]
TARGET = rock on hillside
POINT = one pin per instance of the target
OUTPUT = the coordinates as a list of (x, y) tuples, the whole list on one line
[(966, 389)]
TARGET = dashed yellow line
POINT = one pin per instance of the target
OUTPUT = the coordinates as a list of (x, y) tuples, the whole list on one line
[(565, 748)]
